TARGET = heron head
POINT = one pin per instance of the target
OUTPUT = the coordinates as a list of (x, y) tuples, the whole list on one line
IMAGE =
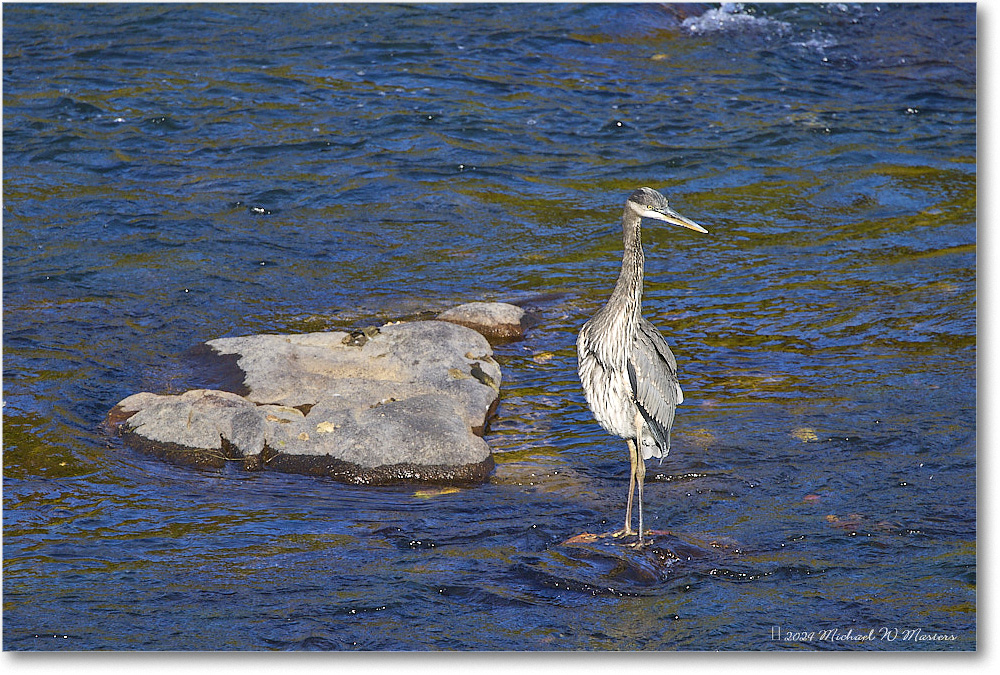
[(648, 203)]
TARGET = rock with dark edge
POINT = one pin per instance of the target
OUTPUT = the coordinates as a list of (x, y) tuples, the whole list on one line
[(498, 321), (403, 402)]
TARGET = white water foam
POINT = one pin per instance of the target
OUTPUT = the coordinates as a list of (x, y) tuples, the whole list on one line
[(731, 16)]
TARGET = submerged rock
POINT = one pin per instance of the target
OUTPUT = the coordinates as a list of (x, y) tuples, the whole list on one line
[(401, 402), (602, 564), (495, 320)]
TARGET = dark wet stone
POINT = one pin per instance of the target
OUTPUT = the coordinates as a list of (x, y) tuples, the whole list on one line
[(602, 564), (621, 559), (409, 402)]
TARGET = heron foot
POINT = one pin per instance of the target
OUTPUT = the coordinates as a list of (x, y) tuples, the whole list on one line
[(624, 532)]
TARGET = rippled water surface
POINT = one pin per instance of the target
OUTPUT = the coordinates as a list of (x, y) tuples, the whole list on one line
[(174, 174)]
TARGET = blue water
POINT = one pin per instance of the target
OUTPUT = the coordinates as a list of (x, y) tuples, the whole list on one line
[(174, 174)]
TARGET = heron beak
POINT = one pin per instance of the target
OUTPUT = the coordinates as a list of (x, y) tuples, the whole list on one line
[(668, 215)]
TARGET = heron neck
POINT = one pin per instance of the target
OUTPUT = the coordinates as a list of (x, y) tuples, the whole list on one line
[(628, 289)]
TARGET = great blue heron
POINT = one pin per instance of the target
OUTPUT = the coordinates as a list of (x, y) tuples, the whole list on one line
[(627, 370)]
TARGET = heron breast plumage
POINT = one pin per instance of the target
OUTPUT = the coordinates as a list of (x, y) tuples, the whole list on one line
[(611, 393)]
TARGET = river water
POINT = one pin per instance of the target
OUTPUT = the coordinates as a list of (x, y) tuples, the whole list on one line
[(174, 174)]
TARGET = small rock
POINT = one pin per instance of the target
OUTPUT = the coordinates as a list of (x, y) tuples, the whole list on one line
[(497, 321), (199, 427)]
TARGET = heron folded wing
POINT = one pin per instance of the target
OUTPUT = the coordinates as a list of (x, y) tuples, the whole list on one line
[(648, 332), (660, 442), (652, 373)]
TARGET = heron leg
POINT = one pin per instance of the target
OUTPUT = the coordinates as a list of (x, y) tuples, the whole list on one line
[(640, 468), (627, 530)]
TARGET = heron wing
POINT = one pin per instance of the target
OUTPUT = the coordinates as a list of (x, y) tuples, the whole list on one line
[(652, 372)]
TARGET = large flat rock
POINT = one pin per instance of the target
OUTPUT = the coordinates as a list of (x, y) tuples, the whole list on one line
[(408, 401)]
